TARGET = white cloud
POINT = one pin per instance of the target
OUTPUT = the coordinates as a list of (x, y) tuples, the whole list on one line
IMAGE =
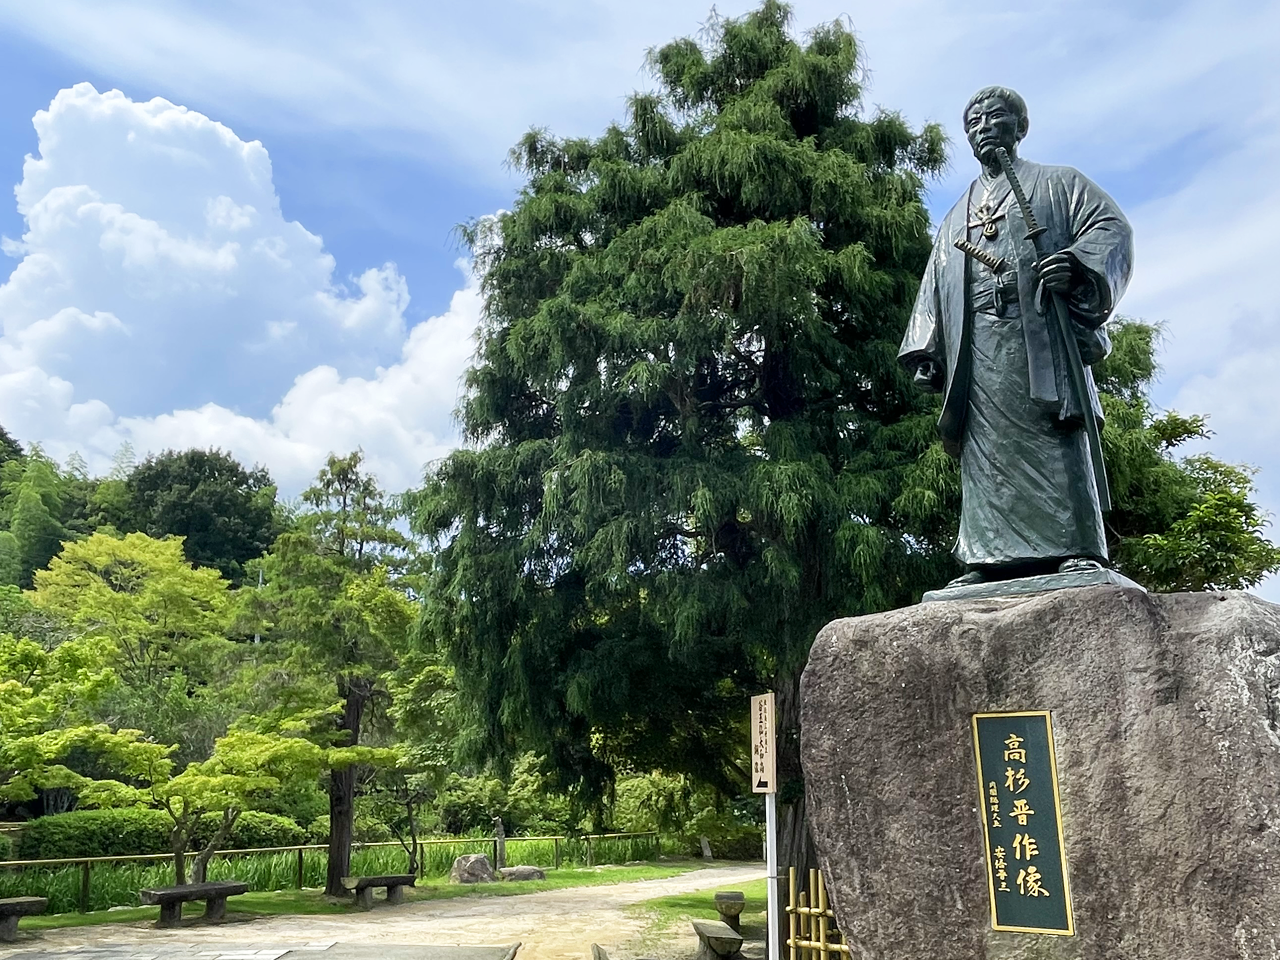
[(401, 416), (157, 273), (164, 220), (1120, 90)]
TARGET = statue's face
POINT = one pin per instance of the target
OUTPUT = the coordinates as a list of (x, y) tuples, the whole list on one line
[(990, 123)]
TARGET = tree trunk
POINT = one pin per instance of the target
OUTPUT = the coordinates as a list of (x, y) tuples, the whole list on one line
[(178, 847), (795, 846), (355, 693), (200, 867)]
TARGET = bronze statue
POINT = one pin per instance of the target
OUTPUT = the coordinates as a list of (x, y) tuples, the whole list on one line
[(1026, 269)]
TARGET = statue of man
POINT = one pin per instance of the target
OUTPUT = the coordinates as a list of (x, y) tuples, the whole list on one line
[(987, 339)]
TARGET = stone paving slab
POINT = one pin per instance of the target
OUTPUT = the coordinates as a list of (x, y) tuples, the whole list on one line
[(315, 950)]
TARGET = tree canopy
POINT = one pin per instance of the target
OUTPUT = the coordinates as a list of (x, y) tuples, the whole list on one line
[(225, 514)]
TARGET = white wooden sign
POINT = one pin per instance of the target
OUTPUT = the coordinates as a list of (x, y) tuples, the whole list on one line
[(764, 768)]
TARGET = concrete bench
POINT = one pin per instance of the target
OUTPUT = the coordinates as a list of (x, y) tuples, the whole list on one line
[(171, 899), (13, 908), (363, 887), (716, 940)]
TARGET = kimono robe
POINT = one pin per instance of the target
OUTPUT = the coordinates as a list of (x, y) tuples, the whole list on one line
[(1009, 411)]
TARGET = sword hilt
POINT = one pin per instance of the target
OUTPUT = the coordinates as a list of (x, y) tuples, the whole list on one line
[(997, 264), (1034, 229)]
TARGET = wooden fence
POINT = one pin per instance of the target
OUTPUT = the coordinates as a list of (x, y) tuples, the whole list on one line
[(87, 865), (813, 933)]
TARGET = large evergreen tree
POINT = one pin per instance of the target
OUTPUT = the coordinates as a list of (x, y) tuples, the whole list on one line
[(332, 613), (689, 443), (687, 425)]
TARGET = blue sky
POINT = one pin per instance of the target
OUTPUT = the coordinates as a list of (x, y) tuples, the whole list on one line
[(263, 259)]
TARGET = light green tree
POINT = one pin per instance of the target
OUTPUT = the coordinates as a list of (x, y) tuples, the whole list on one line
[(164, 625)]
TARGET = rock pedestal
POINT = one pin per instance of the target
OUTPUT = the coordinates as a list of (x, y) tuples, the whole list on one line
[(1165, 711)]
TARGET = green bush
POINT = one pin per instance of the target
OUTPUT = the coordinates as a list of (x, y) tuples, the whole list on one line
[(95, 833), (364, 830), (252, 829), (300, 802), (133, 830), (6, 847)]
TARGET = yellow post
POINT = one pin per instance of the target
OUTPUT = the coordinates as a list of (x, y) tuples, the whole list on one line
[(822, 917), (806, 925), (791, 913)]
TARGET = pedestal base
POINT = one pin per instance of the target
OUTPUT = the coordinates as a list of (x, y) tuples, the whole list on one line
[(1166, 719), (1024, 586)]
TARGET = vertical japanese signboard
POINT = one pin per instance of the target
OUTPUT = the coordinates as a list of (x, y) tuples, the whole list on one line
[(1022, 823), (764, 774)]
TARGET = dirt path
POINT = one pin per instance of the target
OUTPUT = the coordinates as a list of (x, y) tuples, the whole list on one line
[(551, 925)]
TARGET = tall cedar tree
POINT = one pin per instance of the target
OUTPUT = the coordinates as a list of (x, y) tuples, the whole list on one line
[(686, 421), (331, 608)]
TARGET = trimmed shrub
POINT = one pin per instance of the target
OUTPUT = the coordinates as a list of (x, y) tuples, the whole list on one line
[(252, 829), (364, 830), (133, 830), (95, 833)]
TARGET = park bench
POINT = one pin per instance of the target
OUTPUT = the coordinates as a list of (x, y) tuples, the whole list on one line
[(13, 908), (716, 940), (171, 899), (363, 887)]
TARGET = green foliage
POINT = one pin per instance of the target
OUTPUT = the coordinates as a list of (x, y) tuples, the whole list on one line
[(335, 615), (95, 833), (160, 624), (687, 425), (6, 847), (252, 829), (125, 831), (685, 813), (224, 513), (30, 506), (1179, 523), (469, 804), (366, 829), (10, 559), (10, 449)]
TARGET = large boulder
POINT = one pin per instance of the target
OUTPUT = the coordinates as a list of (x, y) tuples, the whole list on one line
[(1166, 711), (472, 868)]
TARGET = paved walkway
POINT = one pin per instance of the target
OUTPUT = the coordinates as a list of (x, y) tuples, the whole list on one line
[(550, 925)]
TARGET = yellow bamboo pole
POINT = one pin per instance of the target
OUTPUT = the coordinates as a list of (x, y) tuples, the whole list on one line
[(822, 918), (792, 904)]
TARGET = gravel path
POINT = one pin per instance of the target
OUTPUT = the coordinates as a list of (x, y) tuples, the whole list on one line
[(551, 924)]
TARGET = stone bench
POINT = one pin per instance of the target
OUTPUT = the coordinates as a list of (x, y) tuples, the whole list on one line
[(13, 908), (363, 887), (171, 899), (716, 940)]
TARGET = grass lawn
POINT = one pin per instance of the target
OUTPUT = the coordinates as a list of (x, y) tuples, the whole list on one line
[(667, 914), (281, 902)]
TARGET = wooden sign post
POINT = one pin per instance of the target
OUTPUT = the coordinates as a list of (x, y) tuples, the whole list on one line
[(764, 779)]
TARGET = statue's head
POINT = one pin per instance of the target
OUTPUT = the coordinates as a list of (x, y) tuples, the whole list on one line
[(995, 117)]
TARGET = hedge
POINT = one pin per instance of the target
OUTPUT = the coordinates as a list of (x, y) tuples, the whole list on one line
[(135, 830), (6, 847)]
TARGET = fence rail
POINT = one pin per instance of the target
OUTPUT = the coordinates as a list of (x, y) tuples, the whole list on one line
[(69, 880), (812, 923)]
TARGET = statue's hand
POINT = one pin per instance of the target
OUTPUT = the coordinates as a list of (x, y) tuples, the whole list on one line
[(1058, 271), (928, 376)]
